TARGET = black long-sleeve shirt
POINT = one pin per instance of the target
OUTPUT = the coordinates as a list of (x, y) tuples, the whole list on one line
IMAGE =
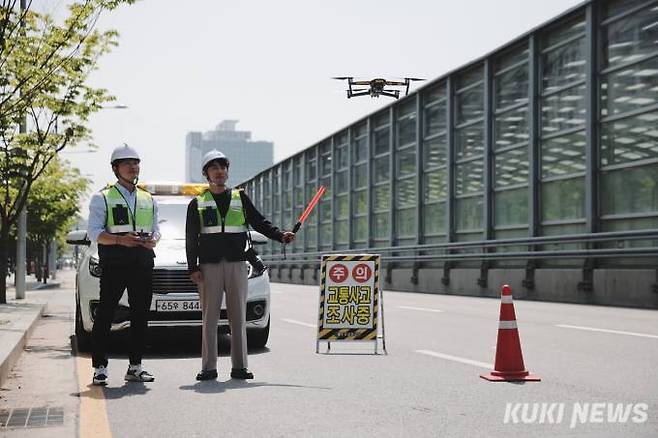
[(212, 248)]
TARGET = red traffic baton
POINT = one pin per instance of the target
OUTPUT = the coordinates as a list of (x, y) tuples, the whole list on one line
[(309, 208)]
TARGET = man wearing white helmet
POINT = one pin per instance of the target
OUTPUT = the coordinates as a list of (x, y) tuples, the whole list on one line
[(216, 237), (123, 220)]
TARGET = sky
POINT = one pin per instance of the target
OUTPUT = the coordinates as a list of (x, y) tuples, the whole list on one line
[(185, 66)]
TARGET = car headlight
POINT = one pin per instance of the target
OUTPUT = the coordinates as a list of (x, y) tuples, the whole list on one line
[(94, 267)]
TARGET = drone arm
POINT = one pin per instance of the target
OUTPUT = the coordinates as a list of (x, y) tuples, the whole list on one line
[(395, 94)]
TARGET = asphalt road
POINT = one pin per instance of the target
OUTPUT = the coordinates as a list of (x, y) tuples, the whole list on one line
[(591, 360)]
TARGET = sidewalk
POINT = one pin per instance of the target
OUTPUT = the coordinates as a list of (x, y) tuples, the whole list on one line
[(18, 318)]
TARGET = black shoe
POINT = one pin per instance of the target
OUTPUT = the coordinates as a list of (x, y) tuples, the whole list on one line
[(206, 375), (241, 373), (100, 376), (137, 374)]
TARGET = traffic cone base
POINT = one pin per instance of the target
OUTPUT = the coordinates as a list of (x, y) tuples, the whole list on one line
[(524, 376)]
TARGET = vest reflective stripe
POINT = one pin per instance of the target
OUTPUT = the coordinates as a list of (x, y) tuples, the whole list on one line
[(234, 222), (234, 204), (119, 229), (227, 229), (143, 214)]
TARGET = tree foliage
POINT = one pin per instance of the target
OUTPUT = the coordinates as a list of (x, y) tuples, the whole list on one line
[(53, 202), (45, 102)]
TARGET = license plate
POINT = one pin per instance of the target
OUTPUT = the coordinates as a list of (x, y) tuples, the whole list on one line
[(177, 306)]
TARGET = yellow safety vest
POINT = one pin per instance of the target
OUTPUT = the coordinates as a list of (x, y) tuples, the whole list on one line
[(121, 219), (211, 220)]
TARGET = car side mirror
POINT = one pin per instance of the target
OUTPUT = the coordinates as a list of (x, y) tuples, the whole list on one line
[(78, 237)]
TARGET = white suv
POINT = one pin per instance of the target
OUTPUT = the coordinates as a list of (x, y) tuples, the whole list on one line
[(175, 297)]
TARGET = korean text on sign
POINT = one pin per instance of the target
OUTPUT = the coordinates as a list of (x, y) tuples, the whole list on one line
[(349, 295)]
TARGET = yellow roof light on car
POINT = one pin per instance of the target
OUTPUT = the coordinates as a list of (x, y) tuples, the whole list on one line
[(184, 189), (193, 189)]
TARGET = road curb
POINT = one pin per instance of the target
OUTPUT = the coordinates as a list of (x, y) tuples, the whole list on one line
[(15, 339)]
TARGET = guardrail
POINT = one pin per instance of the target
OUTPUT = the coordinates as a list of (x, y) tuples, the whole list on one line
[(485, 251), (537, 253)]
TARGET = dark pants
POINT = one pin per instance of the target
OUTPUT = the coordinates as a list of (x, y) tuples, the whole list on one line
[(114, 280)]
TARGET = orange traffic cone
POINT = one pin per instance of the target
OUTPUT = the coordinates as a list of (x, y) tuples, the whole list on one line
[(509, 359)]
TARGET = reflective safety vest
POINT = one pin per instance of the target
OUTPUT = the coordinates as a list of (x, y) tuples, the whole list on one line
[(121, 219), (212, 221)]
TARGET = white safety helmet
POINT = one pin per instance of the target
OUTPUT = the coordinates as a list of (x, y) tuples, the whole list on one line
[(212, 156), (123, 153)]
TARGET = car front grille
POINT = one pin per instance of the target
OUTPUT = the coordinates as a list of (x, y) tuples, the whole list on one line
[(167, 281), (178, 316), (122, 313)]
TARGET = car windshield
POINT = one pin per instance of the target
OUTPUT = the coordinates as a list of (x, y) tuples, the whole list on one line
[(172, 211)]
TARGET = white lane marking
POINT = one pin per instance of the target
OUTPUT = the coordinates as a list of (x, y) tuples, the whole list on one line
[(617, 332), (455, 359), (305, 324), (422, 309)]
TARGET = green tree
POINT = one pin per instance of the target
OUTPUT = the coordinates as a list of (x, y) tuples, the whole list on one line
[(44, 100), (53, 203)]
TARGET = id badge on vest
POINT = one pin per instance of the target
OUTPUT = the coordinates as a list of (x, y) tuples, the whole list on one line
[(120, 215), (210, 218)]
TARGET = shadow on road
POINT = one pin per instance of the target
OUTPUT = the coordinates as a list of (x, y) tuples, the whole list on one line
[(214, 386), (112, 393)]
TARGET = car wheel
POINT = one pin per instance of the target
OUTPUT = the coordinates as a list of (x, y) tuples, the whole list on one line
[(257, 338), (82, 338)]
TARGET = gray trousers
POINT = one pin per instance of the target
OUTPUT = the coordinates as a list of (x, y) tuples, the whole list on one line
[(217, 278)]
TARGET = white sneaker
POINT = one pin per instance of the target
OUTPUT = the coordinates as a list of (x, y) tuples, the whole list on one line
[(135, 373), (100, 376)]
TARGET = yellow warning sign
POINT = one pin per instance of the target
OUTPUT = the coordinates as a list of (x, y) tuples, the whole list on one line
[(349, 297)]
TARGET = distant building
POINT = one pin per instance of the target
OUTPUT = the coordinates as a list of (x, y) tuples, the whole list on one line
[(247, 157)]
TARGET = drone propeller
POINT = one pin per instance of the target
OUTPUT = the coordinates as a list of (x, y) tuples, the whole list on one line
[(402, 79), (356, 90), (342, 78)]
